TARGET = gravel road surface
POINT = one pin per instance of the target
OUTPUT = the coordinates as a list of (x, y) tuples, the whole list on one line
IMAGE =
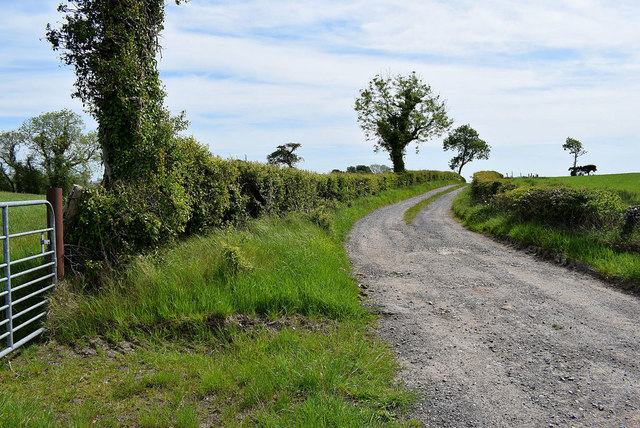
[(489, 336)]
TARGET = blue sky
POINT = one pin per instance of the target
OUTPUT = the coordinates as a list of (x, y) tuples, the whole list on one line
[(253, 74)]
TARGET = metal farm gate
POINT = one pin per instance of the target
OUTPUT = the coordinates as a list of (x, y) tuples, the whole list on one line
[(26, 279)]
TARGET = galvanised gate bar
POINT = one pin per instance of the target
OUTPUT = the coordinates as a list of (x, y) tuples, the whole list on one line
[(24, 304)]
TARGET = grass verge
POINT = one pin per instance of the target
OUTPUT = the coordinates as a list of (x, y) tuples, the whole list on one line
[(258, 326), (411, 213), (589, 249)]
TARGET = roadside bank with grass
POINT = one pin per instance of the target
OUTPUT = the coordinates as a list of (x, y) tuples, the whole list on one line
[(594, 227), (260, 325)]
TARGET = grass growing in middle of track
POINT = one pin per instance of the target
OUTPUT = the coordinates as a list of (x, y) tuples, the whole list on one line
[(258, 326), (411, 213)]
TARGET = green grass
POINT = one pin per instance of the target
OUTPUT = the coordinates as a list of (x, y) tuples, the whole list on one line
[(626, 185), (411, 213), (291, 377), (587, 248), (301, 353), (22, 219)]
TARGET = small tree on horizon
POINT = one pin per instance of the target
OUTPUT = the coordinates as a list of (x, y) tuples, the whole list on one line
[(285, 155), (467, 142), (575, 148), (396, 110)]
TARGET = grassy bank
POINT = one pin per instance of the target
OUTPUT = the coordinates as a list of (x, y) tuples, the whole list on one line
[(258, 326), (594, 248)]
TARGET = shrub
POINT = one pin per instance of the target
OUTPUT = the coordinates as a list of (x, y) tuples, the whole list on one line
[(486, 184), (127, 219), (210, 185), (234, 261), (631, 220), (320, 217)]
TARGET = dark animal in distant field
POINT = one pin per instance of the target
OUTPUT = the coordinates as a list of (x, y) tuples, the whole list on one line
[(582, 170)]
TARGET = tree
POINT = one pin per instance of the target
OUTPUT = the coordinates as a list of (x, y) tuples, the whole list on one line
[(396, 110), (466, 141), (285, 155), (29, 179), (54, 153), (379, 169), (9, 143), (359, 169), (575, 148), (58, 144), (113, 46)]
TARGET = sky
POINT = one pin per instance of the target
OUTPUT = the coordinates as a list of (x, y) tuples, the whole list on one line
[(254, 74)]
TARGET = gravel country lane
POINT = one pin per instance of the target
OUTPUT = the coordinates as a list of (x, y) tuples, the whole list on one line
[(489, 336)]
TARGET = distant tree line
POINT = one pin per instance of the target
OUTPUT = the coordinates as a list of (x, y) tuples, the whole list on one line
[(50, 150)]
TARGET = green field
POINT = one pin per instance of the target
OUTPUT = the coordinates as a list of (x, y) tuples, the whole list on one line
[(625, 185)]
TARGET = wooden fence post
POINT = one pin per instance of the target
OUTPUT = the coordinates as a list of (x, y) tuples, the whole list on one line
[(54, 196)]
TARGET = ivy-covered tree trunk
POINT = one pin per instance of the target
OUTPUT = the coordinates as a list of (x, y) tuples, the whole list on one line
[(113, 46), (397, 157)]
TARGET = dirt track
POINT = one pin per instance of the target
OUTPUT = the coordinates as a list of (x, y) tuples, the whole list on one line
[(492, 337)]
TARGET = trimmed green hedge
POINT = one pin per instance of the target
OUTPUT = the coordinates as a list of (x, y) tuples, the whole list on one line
[(198, 191), (563, 206), (486, 184)]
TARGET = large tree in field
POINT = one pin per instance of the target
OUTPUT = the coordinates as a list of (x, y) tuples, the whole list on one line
[(466, 141), (48, 150), (57, 142), (396, 110), (285, 155), (113, 46), (575, 148), (9, 145)]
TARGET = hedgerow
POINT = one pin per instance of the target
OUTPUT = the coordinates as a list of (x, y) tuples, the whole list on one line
[(195, 191), (559, 206), (563, 206), (486, 184)]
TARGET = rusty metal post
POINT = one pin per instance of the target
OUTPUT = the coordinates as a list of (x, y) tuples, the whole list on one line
[(54, 196)]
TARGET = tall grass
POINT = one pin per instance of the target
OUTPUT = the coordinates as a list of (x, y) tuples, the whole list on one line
[(290, 267)]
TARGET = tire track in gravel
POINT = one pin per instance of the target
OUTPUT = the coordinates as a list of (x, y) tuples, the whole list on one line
[(492, 337)]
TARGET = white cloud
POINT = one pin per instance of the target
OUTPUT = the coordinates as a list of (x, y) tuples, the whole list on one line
[(253, 74)]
